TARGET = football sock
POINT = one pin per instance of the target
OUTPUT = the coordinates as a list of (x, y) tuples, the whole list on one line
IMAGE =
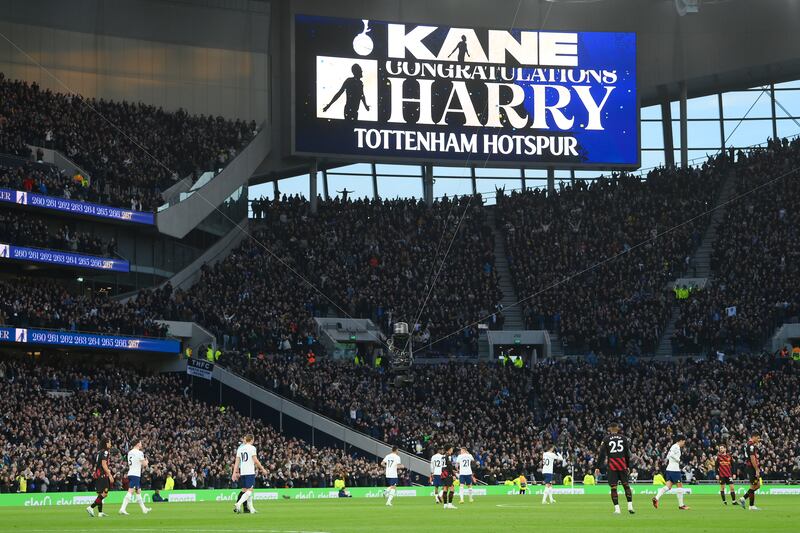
[(628, 495), (250, 501), (125, 500), (733, 496), (752, 497), (98, 502), (461, 492), (450, 497), (242, 499), (141, 502), (680, 497), (615, 497), (661, 492), (391, 494), (722, 495)]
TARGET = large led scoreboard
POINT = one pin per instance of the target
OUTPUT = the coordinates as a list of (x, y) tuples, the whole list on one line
[(374, 90)]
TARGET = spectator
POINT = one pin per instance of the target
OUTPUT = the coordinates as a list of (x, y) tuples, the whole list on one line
[(188, 443), (127, 169)]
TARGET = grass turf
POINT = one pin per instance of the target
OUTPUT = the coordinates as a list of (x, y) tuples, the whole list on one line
[(487, 514)]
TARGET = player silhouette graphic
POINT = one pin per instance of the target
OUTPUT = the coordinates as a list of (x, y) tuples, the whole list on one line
[(353, 88), (461, 48)]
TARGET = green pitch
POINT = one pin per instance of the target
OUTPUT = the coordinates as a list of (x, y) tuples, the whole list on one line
[(487, 514)]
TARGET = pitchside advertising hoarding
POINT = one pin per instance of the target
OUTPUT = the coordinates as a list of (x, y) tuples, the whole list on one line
[(230, 495), (368, 89)]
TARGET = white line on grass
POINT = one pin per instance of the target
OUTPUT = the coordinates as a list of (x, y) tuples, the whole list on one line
[(215, 530), (512, 506)]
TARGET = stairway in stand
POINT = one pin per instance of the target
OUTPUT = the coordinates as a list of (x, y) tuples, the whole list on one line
[(512, 313), (701, 259)]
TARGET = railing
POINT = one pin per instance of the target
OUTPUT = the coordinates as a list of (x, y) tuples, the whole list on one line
[(204, 178), (58, 159), (317, 421), (178, 219)]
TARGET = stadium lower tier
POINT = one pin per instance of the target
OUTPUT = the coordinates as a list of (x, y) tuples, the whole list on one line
[(52, 416), (506, 416)]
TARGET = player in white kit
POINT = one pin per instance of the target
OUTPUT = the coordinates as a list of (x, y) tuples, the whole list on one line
[(673, 474), (245, 464), (437, 463), (549, 459), (465, 477), (136, 460), (392, 463)]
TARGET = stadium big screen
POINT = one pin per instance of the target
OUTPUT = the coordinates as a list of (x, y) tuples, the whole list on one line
[(367, 89)]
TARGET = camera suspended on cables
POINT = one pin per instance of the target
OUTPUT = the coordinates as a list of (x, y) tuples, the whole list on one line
[(401, 355)]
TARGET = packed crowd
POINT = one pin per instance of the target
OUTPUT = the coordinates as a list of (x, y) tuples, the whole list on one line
[(130, 150), (369, 259), (597, 257), (44, 303), (756, 260), (24, 229), (51, 417), (511, 415)]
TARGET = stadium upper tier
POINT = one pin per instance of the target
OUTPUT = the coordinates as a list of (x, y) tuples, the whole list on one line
[(50, 440), (132, 151), (756, 259), (591, 261), (598, 256), (373, 259)]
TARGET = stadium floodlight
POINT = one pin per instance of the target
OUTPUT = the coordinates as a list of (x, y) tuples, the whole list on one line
[(687, 7)]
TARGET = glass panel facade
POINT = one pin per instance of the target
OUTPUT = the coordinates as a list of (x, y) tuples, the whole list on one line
[(747, 122), (359, 186), (394, 187), (451, 187)]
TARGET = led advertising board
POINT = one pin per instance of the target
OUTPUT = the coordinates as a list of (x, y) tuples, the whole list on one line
[(77, 207), (67, 259), (88, 340), (374, 90)]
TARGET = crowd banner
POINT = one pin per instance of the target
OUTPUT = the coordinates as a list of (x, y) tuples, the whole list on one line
[(77, 207), (87, 340), (57, 257), (199, 368), (40, 499)]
